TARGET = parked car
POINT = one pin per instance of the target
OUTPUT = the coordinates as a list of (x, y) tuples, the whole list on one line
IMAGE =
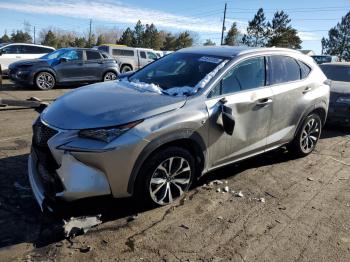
[(14, 52), (339, 106), (320, 59), (129, 58), (152, 133), (66, 65)]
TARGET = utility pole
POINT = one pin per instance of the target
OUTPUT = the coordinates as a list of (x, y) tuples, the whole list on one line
[(90, 33), (34, 35), (223, 25)]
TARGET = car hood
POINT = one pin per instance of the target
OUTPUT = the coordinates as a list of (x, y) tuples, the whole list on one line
[(340, 87), (107, 104), (29, 62)]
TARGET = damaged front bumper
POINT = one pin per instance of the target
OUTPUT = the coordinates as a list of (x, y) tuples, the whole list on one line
[(76, 181)]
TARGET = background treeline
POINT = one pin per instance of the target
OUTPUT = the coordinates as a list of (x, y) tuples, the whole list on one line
[(259, 33)]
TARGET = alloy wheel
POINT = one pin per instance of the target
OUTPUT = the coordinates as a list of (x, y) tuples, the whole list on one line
[(170, 180), (310, 135), (110, 76), (45, 81)]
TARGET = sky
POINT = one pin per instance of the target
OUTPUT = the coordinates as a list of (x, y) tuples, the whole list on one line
[(312, 18)]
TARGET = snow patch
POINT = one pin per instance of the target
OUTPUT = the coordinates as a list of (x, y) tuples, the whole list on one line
[(143, 86)]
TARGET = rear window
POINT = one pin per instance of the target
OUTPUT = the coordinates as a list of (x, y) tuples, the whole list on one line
[(304, 70), (336, 72), (92, 55), (283, 69), (122, 52), (103, 48)]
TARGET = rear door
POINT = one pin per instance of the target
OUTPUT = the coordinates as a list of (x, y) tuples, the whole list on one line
[(73, 69), (243, 90), (288, 79), (93, 65)]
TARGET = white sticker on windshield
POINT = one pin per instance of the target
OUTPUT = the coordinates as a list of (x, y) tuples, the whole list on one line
[(208, 59)]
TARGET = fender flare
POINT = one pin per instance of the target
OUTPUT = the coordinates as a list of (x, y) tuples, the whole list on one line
[(321, 105), (161, 141)]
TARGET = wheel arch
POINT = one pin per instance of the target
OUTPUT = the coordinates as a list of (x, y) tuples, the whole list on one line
[(48, 70), (320, 108), (187, 139), (126, 64)]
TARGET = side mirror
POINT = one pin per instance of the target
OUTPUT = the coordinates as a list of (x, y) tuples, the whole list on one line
[(63, 60)]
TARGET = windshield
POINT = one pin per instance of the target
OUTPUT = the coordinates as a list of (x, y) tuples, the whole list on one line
[(178, 70), (55, 54), (336, 72)]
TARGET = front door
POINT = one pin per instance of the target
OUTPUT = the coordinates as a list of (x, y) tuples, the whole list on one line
[(73, 68), (243, 91)]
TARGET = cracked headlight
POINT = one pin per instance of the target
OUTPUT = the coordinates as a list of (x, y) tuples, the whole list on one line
[(107, 134), (343, 100)]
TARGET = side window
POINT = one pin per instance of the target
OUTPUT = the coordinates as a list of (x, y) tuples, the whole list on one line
[(27, 49), (73, 55), (92, 55), (249, 74), (122, 52), (12, 49), (143, 54), (304, 70), (152, 56), (283, 69)]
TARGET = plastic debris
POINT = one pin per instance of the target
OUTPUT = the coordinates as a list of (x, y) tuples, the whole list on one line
[(310, 179), (80, 225), (262, 200), (239, 194)]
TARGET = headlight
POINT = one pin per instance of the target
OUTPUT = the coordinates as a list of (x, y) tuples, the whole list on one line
[(343, 99), (107, 134)]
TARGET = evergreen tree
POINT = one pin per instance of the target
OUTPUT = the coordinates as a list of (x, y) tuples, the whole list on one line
[(338, 41), (79, 42), (100, 40), (208, 42), (257, 31), (127, 38), (151, 38), (21, 37), (183, 40), (281, 33), (232, 35), (139, 31), (169, 42), (50, 39), (5, 38)]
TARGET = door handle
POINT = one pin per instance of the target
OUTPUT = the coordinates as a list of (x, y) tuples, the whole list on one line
[(264, 102), (307, 90), (18, 57)]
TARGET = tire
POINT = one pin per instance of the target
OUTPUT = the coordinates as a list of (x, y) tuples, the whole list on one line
[(154, 180), (307, 136), (109, 76), (126, 68), (44, 81)]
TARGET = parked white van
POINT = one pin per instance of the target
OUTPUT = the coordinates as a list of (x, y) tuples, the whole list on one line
[(129, 58), (10, 53)]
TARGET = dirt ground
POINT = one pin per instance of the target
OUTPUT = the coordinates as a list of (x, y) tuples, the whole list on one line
[(305, 216)]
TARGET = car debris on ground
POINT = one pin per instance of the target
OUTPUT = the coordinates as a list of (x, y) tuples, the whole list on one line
[(80, 225)]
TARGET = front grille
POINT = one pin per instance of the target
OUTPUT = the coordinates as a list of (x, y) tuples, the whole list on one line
[(42, 133), (46, 164)]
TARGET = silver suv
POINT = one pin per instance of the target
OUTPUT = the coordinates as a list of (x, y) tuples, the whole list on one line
[(151, 133)]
